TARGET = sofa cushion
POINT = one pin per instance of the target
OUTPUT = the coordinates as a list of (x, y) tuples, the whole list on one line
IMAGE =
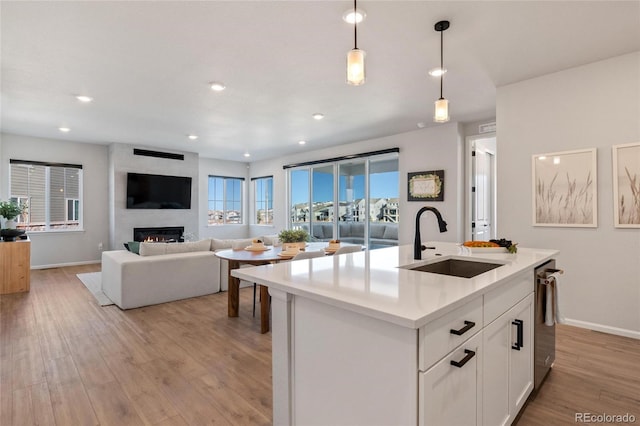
[(318, 231), (345, 229), (218, 244), (390, 232), (376, 230), (270, 239), (241, 243), (188, 247), (357, 229), (153, 249)]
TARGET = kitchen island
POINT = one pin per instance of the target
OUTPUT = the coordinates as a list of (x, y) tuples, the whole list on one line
[(361, 339)]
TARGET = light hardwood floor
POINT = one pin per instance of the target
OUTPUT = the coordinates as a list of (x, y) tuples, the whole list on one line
[(64, 360)]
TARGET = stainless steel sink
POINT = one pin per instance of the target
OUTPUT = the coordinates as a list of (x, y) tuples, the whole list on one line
[(455, 267)]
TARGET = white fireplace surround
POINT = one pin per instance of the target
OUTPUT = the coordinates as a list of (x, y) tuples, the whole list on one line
[(122, 221)]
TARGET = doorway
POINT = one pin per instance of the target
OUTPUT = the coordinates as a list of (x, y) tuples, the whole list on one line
[(480, 217)]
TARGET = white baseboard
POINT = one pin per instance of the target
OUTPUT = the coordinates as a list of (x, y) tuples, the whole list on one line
[(603, 328), (60, 265)]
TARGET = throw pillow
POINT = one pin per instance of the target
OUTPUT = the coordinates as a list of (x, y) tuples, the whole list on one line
[(133, 246)]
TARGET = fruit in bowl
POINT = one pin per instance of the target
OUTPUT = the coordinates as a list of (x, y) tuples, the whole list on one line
[(256, 242), (480, 244), (334, 245), (508, 244)]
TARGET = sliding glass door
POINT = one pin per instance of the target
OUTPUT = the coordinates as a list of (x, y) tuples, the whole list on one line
[(354, 200)]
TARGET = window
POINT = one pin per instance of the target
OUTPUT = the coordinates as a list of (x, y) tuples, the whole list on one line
[(225, 200), (353, 198), (263, 196), (51, 192)]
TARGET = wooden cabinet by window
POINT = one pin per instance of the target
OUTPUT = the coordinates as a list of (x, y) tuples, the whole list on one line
[(15, 264)]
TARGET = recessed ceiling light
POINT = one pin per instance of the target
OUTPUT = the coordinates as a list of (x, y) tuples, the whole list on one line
[(64, 129), (302, 142), (192, 137), (216, 86), (421, 125), (84, 99), (246, 154), (318, 116), (350, 17), (437, 72)]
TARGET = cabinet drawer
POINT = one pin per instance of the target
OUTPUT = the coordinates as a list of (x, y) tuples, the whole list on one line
[(436, 339), (501, 299), (449, 393)]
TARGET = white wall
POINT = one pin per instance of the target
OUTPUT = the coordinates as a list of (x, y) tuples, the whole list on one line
[(211, 167), (66, 247), (597, 105), (432, 148), (123, 220)]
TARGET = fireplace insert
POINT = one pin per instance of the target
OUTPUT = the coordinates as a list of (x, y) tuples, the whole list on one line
[(167, 234)]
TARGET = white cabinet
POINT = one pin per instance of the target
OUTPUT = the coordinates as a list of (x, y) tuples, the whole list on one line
[(449, 390), (508, 363)]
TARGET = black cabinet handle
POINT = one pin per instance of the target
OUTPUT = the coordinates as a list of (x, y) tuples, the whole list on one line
[(468, 325), (519, 339), (469, 354)]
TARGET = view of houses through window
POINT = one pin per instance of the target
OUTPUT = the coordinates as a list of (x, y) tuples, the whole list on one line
[(51, 193), (224, 200), (352, 200), (263, 197)]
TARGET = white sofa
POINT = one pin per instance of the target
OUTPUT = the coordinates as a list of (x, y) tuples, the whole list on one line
[(131, 280)]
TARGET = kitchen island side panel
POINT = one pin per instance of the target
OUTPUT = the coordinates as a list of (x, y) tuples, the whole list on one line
[(351, 369)]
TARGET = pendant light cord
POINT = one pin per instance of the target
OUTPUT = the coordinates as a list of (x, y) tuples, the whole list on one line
[(355, 26), (441, 61)]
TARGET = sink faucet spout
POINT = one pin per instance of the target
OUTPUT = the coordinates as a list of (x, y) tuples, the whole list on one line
[(417, 242)]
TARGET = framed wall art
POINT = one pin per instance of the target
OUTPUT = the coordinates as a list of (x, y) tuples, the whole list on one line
[(565, 189), (626, 185), (426, 186)]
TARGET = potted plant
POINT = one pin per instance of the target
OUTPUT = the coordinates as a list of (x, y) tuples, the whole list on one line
[(298, 237), (10, 210)]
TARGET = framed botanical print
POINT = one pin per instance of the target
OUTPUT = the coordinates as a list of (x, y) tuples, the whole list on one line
[(426, 186), (626, 185), (565, 189)]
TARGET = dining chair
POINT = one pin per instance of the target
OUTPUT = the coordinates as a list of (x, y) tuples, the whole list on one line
[(348, 249), (299, 256)]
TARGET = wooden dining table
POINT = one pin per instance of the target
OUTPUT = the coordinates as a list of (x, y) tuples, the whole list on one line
[(235, 258)]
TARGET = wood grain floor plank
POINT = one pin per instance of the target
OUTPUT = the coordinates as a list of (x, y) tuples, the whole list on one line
[(32, 406), (195, 408), (111, 405), (27, 367), (61, 370), (150, 403), (89, 362), (71, 405)]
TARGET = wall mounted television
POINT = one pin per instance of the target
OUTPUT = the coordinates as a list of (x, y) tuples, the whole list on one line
[(146, 191)]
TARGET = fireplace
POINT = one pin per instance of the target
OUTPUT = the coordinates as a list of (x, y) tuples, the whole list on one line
[(167, 234)]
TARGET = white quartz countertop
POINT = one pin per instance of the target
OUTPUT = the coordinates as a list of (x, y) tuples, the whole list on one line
[(374, 284)]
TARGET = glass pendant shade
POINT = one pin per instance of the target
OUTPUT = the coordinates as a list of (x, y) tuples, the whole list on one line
[(442, 111), (355, 67)]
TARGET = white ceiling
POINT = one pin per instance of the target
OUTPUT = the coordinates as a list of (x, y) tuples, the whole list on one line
[(148, 64)]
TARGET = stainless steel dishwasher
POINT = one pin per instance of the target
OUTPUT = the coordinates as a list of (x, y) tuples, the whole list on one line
[(544, 335)]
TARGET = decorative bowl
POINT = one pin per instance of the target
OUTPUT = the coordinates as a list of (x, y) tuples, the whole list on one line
[(11, 234)]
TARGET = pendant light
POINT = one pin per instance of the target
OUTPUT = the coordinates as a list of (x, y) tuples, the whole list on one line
[(355, 57), (441, 114)]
